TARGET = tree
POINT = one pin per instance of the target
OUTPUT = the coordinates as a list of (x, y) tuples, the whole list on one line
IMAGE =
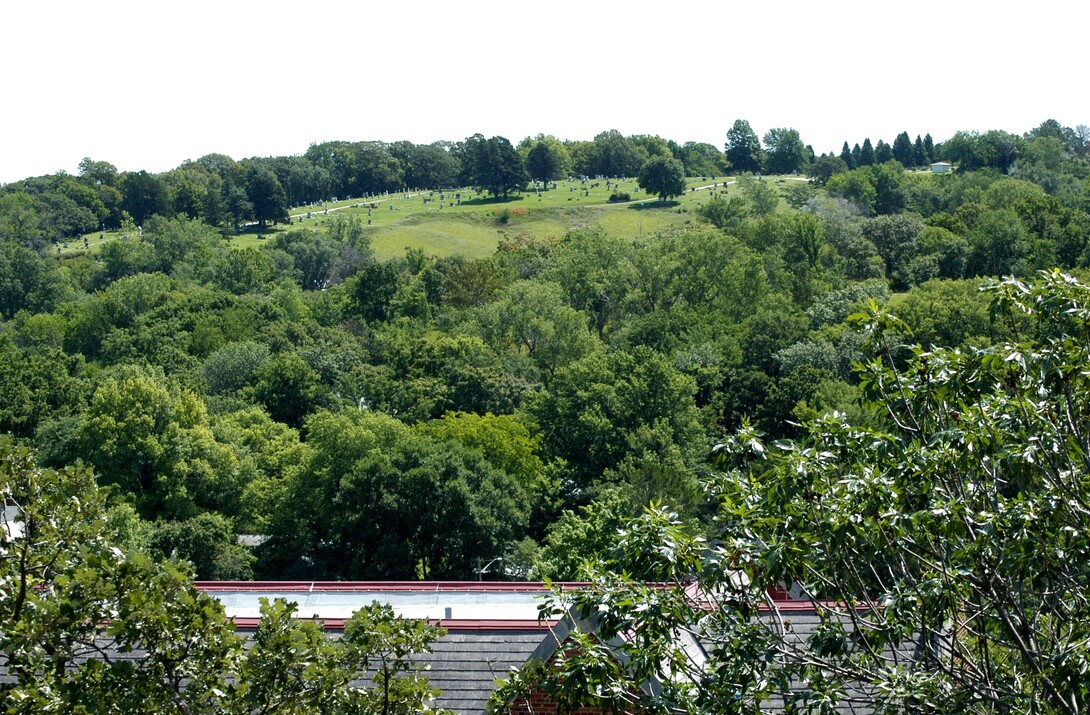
[(600, 409), (144, 195), (824, 168), (151, 440), (847, 156), (288, 388), (896, 239), (532, 318), (27, 281), (723, 213), (762, 198), (663, 176), (903, 150), (743, 148), (547, 160), (866, 154), (69, 596), (702, 159), (615, 155), (266, 195), (919, 153), (493, 165), (942, 550), (595, 270), (376, 500), (882, 152), (784, 151)]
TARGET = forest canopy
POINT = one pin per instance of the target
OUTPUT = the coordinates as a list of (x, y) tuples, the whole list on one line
[(228, 370)]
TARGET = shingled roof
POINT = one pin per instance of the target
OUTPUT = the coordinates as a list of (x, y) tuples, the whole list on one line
[(491, 627)]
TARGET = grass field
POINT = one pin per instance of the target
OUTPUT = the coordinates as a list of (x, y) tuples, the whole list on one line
[(471, 224)]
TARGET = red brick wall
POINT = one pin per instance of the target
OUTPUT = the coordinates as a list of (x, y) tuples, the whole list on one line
[(539, 704)]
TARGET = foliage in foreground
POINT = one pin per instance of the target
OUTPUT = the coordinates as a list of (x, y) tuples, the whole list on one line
[(945, 551), (88, 628)]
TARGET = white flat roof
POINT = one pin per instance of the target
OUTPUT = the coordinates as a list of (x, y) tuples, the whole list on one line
[(433, 605)]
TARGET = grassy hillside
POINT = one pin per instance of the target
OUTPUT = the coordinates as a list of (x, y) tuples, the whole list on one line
[(471, 224)]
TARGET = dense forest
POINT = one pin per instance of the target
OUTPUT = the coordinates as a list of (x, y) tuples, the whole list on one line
[(448, 418)]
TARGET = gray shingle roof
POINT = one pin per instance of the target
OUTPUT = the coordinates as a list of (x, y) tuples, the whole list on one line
[(466, 664)]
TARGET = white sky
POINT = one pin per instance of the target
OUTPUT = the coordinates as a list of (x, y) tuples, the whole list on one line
[(150, 83)]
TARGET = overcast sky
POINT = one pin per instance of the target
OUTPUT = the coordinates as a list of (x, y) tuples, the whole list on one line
[(147, 85)]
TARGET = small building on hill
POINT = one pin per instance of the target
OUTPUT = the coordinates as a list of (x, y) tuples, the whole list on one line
[(941, 167)]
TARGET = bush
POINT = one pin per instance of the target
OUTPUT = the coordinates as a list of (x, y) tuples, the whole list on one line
[(619, 197)]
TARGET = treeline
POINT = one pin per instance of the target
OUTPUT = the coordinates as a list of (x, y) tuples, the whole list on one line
[(227, 194), (449, 418)]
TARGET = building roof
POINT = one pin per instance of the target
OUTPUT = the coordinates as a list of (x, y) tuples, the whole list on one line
[(464, 605), (491, 627)]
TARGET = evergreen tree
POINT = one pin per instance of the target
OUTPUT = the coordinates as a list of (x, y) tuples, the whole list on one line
[(847, 155), (866, 154), (857, 155), (902, 150), (882, 152), (922, 159), (929, 147)]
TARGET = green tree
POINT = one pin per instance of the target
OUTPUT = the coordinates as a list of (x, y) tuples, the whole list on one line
[(847, 156), (532, 319), (600, 408), (375, 500), (882, 152), (762, 198), (615, 155), (724, 213), (663, 176), (825, 168), (144, 195), (784, 151), (28, 281), (866, 154), (896, 238), (743, 148), (941, 549), (903, 150), (152, 440), (493, 165), (547, 160), (595, 270), (208, 542), (69, 596), (266, 195), (288, 388), (920, 156)]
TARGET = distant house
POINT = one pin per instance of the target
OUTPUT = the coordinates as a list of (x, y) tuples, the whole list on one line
[(941, 167), (491, 628)]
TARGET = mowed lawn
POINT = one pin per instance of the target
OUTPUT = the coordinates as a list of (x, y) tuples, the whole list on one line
[(470, 224)]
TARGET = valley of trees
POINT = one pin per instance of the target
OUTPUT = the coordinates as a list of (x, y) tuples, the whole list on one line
[(420, 417), (416, 417)]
